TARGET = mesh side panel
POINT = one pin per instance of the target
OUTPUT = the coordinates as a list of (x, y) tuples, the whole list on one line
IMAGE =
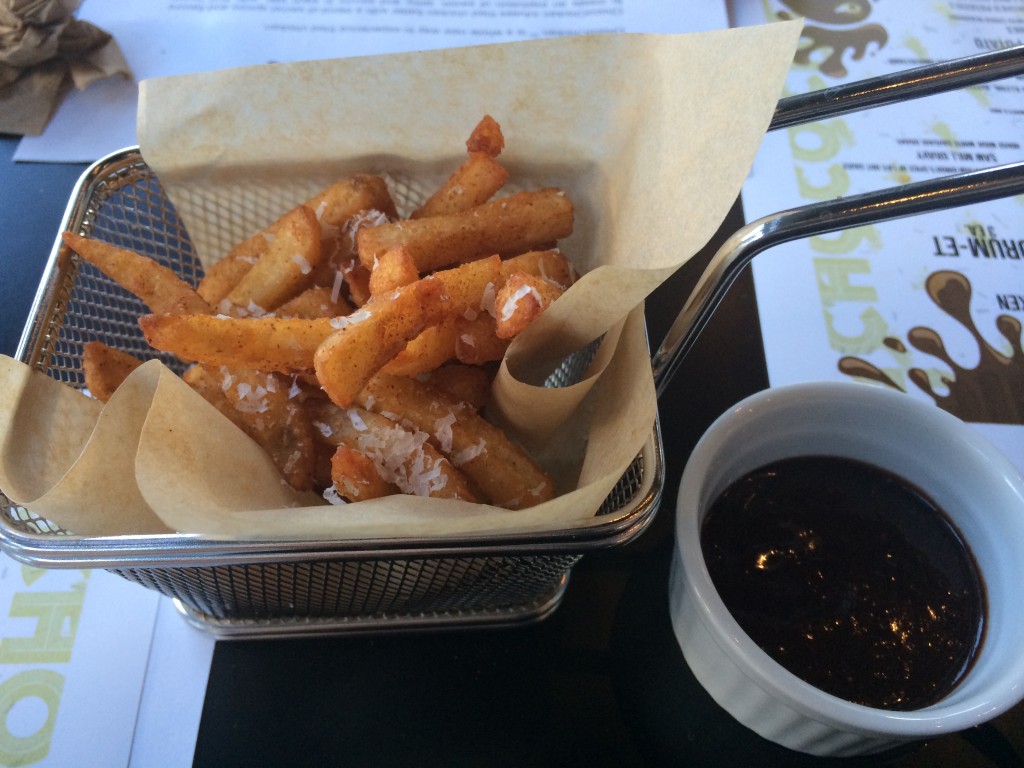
[(357, 589)]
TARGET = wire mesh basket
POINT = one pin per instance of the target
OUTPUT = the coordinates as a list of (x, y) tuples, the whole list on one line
[(259, 589)]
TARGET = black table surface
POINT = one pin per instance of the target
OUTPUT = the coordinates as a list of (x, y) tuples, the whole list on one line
[(600, 682)]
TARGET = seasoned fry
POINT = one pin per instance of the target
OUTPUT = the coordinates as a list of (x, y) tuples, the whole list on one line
[(432, 348), (263, 406), (470, 384), (374, 334), (158, 287), (551, 265), (104, 368), (486, 137), (284, 270), (401, 455), (506, 225), (221, 278), (502, 471), (314, 302), (355, 476), (520, 301), (474, 182), (265, 343), (392, 270), (477, 340)]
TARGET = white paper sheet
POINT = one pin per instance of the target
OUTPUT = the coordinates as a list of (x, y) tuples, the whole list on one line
[(859, 294), (73, 653), (177, 36)]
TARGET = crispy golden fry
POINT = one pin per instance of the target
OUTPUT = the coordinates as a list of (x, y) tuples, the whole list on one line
[(402, 455), (502, 471), (314, 302), (520, 301), (471, 287), (347, 199), (470, 384), (355, 476), (551, 265), (158, 287), (104, 368), (474, 182), (373, 335), (477, 342), (434, 347), (221, 278), (263, 406), (486, 137), (505, 225), (284, 270), (392, 270), (265, 343)]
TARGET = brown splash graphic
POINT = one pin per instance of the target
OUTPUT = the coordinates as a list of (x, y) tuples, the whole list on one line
[(991, 392), (839, 41)]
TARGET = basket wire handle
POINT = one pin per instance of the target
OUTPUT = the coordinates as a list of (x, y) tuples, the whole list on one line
[(842, 213)]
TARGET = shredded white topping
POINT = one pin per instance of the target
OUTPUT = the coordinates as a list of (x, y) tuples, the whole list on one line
[(325, 429), (399, 457), (468, 340), (331, 494), (302, 263), (339, 278), (371, 218), (512, 303), (443, 432), (320, 210), (471, 314), (468, 454), (295, 390), (356, 420), (487, 300), (343, 321)]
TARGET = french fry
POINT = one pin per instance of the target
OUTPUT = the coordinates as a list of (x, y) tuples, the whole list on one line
[(263, 406), (392, 270), (314, 302), (373, 335), (474, 182), (219, 280), (469, 384), (520, 301), (477, 341), (401, 455), (355, 476), (158, 287), (486, 137), (265, 343), (502, 471), (284, 270), (505, 225), (551, 265), (104, 368), (431, 349)]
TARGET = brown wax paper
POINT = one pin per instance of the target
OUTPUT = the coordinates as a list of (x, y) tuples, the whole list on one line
[(43, 51), (651, 136)]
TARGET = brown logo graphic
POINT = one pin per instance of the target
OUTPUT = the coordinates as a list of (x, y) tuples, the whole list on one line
[(837, 42), (992, 392)]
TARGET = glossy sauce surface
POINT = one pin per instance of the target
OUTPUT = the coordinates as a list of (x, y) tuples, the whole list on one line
[(849, 577)]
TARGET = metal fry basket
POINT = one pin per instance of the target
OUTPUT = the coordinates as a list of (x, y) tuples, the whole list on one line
[(273, 589), (263, 589)]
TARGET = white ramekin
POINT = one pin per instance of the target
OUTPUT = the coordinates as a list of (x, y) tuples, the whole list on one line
[(981, 491)]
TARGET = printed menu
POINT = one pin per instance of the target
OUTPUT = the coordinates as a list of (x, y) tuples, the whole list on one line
[(931, 305)]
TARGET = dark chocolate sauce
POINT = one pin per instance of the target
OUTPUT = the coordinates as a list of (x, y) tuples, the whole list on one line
[(849, 577)]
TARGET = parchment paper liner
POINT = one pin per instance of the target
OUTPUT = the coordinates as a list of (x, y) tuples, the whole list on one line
[(652, 137)]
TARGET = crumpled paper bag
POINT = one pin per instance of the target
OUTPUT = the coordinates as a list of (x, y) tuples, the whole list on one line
[(43, 51)]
